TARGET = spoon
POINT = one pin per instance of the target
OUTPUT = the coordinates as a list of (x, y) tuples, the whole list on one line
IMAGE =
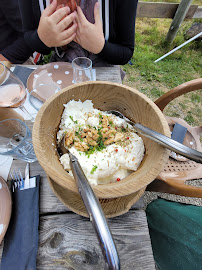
[(162, 139), (94, 210)]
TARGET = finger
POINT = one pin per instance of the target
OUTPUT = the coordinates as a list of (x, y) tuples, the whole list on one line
[(77, 38), (97, 14), (68, 40), (81, 16), (59, 14), (50, 9), (60, 6), (69, 32), (63, 24)]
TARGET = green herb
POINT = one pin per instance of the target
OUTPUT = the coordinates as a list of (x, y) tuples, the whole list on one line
[(75, 122), (80, 129), (100, 145), (93, 169), (100, 116), (90, 151), (80, 138)]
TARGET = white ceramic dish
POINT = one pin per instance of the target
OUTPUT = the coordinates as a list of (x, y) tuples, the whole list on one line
[(59, 73)]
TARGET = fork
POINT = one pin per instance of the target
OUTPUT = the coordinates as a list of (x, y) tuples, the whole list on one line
[(17, 180)]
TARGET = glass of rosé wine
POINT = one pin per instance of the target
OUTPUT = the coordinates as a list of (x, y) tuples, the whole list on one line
[(12, 91)]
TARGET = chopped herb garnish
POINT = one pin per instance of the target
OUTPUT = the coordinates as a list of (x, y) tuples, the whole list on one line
[(100, 116), (75, 122), (93, 169)]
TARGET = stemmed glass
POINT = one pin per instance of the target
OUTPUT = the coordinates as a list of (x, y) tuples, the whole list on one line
[(12, 91)]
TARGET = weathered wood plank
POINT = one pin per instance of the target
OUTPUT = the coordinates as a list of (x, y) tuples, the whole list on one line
[(68, 241), (49, 203), (198, 13), (111, 74), (178, 19), (162, 10)]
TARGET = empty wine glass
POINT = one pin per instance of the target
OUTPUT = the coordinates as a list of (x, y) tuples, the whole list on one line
[(16, 140), (12, 90), (82, 70)]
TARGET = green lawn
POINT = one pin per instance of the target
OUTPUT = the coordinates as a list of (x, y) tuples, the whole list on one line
[(154, 79)]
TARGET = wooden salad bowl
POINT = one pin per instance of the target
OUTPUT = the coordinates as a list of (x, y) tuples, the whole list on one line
[(105, 96)]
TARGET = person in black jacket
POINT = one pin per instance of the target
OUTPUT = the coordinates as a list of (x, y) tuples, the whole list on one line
[(106, 38), (12, 44)]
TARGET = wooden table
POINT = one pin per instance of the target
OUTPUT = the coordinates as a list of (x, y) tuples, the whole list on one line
[(68, 241)]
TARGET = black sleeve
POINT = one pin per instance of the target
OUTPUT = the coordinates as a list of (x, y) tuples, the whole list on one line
[(30, 14), (16, 50), (120, 51)]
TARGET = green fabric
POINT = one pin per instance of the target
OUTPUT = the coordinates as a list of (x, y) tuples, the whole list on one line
[(176, 235)]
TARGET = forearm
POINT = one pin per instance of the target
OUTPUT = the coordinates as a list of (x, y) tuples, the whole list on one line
[(18, 52), (120, 48), (30, 24), (33, 41), (116, 54)]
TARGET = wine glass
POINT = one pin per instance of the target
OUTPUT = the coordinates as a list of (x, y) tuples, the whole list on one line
[(12, 91)]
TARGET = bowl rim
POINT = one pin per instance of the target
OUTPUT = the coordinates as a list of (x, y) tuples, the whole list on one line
[(102, 191)]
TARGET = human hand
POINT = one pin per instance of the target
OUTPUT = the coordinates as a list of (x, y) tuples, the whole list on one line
[(57, 27), (90, 36)]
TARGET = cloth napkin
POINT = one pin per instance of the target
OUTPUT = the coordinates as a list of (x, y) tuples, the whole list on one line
[(21, 239), (176, 234), (23, 73)]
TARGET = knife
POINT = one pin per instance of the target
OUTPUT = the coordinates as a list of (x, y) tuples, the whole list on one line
[(26, 182)]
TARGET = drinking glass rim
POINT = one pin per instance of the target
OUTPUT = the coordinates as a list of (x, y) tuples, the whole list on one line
[(27, 133), (80, 68)]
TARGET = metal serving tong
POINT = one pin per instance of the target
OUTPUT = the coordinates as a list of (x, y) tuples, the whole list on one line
[(94, 210), (162, 139)]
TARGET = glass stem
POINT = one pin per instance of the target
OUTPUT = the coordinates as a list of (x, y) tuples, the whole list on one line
[(26, 112)]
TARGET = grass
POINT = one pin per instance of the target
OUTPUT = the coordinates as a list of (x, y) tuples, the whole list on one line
[(155, 79)]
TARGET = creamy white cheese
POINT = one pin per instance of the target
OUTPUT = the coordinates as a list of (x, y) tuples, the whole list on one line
[(114, 162)]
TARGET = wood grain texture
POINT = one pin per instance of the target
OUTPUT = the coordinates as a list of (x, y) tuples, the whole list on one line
[(198, 13), (111, 207), (49, 202), (108, 74), (105, 96), (162, 10), (68, 242)]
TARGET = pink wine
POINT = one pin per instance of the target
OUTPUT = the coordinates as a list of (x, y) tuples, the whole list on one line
[(12, 95)]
